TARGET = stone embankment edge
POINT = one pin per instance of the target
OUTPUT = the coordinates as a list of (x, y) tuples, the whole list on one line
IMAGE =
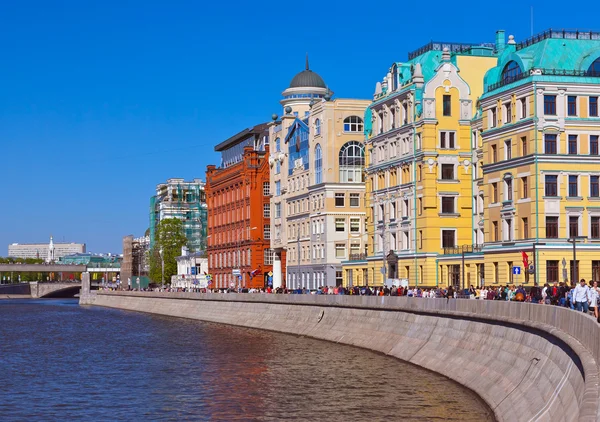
[(589, 405)]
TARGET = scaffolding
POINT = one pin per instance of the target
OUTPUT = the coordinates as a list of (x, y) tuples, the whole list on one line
[(185, 201)]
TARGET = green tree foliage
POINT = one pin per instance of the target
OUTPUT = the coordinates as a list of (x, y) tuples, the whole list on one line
[(170, 237)]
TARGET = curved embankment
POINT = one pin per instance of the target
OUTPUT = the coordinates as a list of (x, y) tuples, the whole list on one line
[(528, 362)]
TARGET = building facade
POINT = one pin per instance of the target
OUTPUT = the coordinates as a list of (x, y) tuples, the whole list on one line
[(192, 270), (317, 188), (239, 253), (43, 250), (185, 201), (420, 166), (537, 132)]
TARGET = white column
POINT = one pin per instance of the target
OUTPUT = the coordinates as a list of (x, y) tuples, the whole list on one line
[(276, 270)]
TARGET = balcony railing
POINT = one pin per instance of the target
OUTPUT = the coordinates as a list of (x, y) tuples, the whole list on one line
[(543, 72), (453, 47), (507, 80), (458, 250), (357, 257), (562, 33)]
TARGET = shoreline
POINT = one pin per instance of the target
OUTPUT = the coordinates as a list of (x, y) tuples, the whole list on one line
[(7, 297)]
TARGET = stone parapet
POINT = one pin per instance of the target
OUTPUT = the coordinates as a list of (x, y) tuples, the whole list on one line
[(527, 361)]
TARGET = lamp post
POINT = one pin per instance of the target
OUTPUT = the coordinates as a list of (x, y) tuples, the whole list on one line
[(162, 264), (574, 240)]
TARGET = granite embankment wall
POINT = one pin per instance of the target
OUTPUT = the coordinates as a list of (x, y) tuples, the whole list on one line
[(528, 362), (10, 291)]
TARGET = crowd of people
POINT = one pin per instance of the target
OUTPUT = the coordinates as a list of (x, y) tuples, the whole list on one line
[(582, 297)]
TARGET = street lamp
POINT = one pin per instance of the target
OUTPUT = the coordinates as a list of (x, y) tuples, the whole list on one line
[(162, 263), (574, 240)]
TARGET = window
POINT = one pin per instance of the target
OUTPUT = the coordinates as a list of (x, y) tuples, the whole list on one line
[(352, 162), (550, 143), (266, 189), (595, 186), (340, 225), (524, 188), (523, 108), (509, 234), (494, 154), (354, 199), (317, 127), (593, 144), (277, 188), (572, 105), (550, 105), (593, 101), (266, 210), (573, 226), (508, 189), (448, 240), (494, 193), (447, 139), (573, 191), (277, 145), (420, 203), (353, 124), (267, 231), (447, 105), (508, 149), (508, 111), (447, 171), (355, 225), (552, 227), (551, 185), (552, 271), (448, 205), (493, 118), (595, 228), (572, 145), (268, 254), (318, 164), (495, 228), (420, 239), (339, 200), (278, 210), (576, 269), (340, 250), (525, 228), (524, 145), (512, 71)]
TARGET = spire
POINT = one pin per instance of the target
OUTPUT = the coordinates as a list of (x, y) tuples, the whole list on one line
[(307, 61)]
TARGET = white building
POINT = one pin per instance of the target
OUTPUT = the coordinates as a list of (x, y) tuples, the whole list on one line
[(44, 250), (192, 270)]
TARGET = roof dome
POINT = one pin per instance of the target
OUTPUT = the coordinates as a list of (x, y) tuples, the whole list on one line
[(307, 79)]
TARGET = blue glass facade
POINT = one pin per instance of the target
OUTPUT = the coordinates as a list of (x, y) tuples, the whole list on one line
[(297, 140)]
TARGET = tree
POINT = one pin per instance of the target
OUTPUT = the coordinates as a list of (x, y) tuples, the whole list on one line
[(169, 237)]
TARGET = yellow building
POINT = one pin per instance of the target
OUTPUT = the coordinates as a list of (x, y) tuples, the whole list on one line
[(537, 134), (421, 167)]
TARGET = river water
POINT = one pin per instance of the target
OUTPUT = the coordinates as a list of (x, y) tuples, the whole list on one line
[(60, 361)]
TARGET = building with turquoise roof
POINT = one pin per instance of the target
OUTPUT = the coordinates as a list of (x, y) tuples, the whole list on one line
[(536, 133), (419, 172)]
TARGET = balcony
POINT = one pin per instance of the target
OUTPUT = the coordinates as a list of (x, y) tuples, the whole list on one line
[(458, 250), (357, 257)]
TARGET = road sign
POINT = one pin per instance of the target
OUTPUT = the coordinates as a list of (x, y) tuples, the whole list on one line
[(516, 270)]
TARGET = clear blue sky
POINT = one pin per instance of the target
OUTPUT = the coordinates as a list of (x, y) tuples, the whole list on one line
[(100, 101)]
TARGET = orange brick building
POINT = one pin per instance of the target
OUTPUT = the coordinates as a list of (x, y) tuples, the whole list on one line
[(237, 196)]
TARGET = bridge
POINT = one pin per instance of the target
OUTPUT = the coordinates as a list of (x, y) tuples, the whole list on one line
[(54, 272), (40, 290)]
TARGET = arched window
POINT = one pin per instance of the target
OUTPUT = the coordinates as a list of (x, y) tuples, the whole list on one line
[(353, 124), (318, 165), (352, 162), (277, 145), (594, 69), (511, 72), (317, 127)]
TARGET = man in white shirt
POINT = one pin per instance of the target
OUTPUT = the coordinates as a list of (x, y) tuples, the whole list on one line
[(581, 296)]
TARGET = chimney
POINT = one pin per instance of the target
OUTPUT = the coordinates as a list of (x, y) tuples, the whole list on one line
[(500, 41)]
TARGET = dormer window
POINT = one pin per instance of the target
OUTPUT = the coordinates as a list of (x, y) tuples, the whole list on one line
[(512, 71), (594, 69)]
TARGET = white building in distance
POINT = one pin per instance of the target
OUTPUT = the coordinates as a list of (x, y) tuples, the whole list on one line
[(43, 250)]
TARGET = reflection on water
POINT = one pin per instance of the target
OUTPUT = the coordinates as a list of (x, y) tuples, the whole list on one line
[(59, 361)]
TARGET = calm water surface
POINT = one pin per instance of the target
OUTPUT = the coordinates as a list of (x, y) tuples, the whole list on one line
[(59, 361)]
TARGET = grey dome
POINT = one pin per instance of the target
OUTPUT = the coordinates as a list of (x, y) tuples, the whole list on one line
[(307, 79)]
